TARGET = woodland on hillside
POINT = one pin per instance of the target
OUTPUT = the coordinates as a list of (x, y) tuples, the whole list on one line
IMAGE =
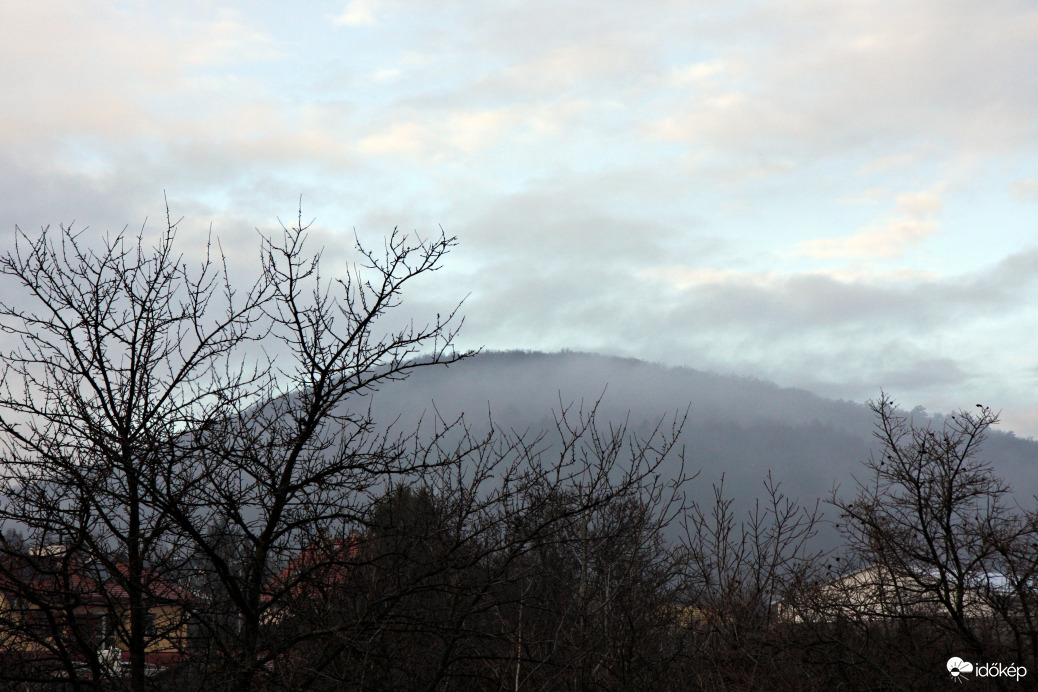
[(195, 495)]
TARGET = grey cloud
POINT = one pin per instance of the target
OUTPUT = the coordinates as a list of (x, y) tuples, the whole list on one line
[(561, 220), (842, 77), (35, 198), (816, 301), (573, 222), (838, 337), (542, 54), (925, 373)]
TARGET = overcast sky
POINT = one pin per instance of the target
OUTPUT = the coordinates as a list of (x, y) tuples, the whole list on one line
[(841, 196)]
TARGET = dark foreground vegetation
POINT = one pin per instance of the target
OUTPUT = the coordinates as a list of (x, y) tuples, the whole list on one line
[(195, 496)]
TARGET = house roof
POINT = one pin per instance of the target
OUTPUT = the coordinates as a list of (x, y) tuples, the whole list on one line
[(324, 563), (53, 573)]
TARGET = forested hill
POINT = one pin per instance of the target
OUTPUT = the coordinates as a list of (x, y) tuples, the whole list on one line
[(739, 427)]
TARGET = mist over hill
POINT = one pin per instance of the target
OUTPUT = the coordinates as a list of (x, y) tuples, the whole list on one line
[(737, 427)]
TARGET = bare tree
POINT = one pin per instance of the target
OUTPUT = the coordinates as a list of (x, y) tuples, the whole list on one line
[(470, 579), (742, 573), (939, 556), (199, 467), (132, 420), (114, 360), (590, 586)]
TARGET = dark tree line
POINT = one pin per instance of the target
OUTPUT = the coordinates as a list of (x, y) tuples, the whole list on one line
[(195, 495)]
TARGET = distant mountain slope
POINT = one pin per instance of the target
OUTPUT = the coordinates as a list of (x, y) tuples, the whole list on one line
[(739, 427)]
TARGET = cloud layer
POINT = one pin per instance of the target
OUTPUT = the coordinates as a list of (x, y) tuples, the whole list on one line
[(834, 195)]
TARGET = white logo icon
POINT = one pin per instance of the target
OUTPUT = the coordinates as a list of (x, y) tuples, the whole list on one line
[(956, 666)]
